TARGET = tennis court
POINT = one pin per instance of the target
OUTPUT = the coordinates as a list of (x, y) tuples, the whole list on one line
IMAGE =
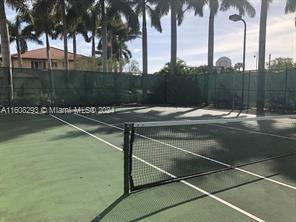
[(71, 167)]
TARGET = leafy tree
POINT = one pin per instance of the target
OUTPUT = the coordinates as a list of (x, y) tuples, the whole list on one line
[(238, 66), (88, 64), (282, 63), (132, 67), (181, 68), (21, 35), (184, 69)]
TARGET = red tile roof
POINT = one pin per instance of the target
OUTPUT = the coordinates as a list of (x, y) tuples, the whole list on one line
[(41, 54)]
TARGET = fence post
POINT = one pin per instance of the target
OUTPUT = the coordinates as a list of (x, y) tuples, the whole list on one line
[(166, 89), (243, 91), (206, 88), (249, 87), (144, 88), (286, 87), (85, 88), (10, 89), (50, 86), (233, 91), (215, 86)]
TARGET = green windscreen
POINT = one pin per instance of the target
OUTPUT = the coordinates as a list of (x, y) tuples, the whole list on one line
[(231, 90)]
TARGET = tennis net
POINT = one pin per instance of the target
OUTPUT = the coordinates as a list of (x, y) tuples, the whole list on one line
[(157, 153)]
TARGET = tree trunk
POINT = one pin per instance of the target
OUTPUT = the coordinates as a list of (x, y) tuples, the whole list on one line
[(93, 46), (211, 44), (261, 65), (111, 52), (19, 54), (104, 37), (48, 53), (144, 40), (211, 40), (74, 48), (173, 40), (49, 64), (145, 50), (6, 59), (65, 33), (120, 60), (93, 41)]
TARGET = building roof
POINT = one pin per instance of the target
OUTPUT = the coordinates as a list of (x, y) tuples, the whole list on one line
[(41, 54)]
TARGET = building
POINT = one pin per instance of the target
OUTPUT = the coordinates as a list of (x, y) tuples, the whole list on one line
[(37, 59)]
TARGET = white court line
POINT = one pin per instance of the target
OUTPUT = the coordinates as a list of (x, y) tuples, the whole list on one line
[(256, 132), (197, 155), (167, 173), (210, 121)]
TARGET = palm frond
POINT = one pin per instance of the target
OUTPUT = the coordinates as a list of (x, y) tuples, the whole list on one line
[(243, 6), (290, 6), (197, 6), (125, 9)]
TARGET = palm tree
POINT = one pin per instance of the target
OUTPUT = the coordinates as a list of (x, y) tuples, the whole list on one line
[(261, 62), (76, 23), (142, 7), (21, 35), (92, 22), (243, 6), (118, 51), (291, 7), (62, 5), (118, 34), (119, 6), (177, 15), (58, 10), (44, 22), (48, 14), (78, 28), (21, 8)]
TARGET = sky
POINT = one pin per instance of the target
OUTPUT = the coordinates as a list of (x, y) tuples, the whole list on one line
[(193, 38)]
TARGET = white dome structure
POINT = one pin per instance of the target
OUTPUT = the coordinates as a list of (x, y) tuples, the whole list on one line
[(224, 63)]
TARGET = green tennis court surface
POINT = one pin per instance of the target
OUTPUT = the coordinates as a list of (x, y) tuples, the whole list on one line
[(70, 168)]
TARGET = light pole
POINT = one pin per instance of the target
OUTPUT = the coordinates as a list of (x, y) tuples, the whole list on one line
[(237, 18)]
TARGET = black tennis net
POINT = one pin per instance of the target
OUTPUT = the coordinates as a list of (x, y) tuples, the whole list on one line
[(157, 153)]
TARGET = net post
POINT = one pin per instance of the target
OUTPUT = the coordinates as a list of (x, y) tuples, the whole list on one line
[(243, 91), (127, 155)]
